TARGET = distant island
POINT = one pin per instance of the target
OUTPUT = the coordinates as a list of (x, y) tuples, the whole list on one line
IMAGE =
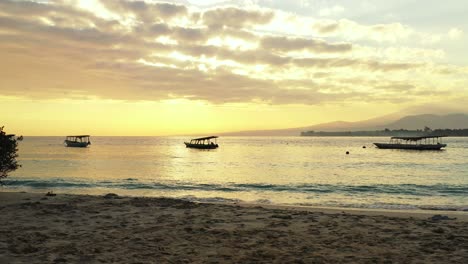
[(389, 133), (455, 124)]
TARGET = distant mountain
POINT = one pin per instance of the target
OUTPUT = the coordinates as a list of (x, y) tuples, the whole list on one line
[(369, 124), (394, 121), (452, 121)]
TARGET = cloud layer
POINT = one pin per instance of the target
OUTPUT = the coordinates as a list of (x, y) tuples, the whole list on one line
[(136, 50)]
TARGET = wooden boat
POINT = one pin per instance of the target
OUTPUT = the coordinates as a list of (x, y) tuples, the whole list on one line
[(416, 143), (202, 143), (80, 141)]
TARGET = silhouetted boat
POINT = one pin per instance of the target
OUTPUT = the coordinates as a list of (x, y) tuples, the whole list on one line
[(202, 143), (417, 143), (81, 141)]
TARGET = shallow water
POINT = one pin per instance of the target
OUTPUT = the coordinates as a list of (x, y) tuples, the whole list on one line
[(280, 170)]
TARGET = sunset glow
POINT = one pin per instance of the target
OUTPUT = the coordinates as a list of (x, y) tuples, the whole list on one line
[(117, 67)]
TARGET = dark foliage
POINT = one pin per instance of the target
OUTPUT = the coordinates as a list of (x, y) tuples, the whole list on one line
[(390, 133), (8, 153)]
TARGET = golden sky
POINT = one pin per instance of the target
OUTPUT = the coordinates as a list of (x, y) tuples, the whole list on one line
[(118, 67)]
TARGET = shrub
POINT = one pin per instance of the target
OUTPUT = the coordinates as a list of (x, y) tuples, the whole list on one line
[(8, 153)]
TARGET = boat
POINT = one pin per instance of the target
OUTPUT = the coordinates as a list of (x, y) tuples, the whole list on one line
[(80, 141), (416, 143), (202, 143)]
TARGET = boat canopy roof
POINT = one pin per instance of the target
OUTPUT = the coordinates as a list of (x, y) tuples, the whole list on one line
[(205, 138), (418, 138), (80, 136)]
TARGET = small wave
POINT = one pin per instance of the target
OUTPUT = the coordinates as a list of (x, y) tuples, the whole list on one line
[(263, 201), (387, 206), (310, 189), (192, 198), (47, 184)]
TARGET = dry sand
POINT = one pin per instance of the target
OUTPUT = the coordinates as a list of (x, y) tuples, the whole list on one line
[(94, 229)]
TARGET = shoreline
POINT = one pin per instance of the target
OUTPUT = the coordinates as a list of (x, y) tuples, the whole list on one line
[(461, 215), (123, 229), (405, 213)]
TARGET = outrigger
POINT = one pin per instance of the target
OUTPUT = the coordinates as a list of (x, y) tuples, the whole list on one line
[(416, 143), (80, 141), (202, 143)]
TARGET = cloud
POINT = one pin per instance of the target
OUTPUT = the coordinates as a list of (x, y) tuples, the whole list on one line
[(316, 45), (155, 51), (146, 11), (326, 27), (455, 33), (235, 17), (380, 32), (344, 29)]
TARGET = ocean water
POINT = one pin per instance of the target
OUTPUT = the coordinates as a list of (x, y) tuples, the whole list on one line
[(311, 171)]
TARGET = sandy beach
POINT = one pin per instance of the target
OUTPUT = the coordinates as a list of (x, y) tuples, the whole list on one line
[(111, 229)]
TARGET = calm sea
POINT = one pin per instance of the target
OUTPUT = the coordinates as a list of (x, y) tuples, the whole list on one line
[(280, 170)]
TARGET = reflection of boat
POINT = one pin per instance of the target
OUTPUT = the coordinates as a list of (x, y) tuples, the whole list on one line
[(202, 143), (417, 143), (81, 141)]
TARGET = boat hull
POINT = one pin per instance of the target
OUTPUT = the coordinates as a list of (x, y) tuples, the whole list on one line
[(74, 144), (201, 146), (409, 146)]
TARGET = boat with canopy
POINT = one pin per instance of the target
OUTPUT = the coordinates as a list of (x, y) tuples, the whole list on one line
[(203, 143), (80, 141), (416, 143)]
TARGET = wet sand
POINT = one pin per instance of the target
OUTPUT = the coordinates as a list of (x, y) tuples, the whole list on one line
[(111, 229)]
